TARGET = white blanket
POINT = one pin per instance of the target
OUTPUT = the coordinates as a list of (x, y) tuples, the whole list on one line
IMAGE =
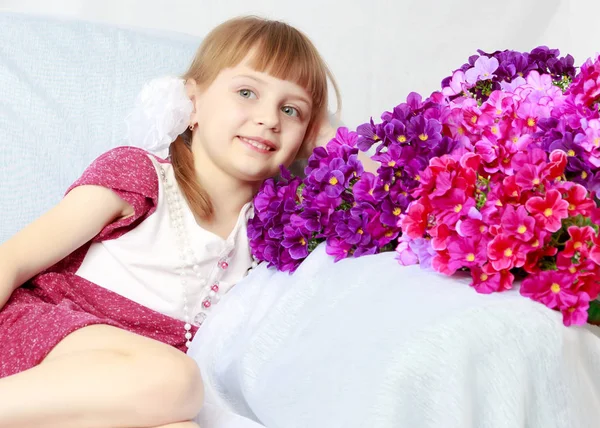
[(369, 343)]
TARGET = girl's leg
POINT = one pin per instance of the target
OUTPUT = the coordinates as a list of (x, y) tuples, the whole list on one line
[(103, 377), (188, 424)]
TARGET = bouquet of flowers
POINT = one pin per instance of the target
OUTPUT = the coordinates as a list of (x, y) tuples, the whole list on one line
[(497, 174)]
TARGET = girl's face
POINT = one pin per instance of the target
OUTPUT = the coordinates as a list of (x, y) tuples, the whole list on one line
[(249, 122)]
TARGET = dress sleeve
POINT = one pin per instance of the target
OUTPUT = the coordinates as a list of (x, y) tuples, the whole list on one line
[(129, 172)]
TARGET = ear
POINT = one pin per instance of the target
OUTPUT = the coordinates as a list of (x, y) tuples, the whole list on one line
[(192, 89)]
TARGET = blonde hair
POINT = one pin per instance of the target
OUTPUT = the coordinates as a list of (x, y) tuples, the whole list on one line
[(279, 50)]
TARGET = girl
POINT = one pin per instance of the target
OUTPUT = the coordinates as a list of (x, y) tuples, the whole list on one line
[(101, 294)]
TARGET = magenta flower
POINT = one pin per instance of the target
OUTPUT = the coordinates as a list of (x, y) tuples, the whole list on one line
[(486, 280), (529, 176), (577, 313), (466, 252), (586, 86), (549, 211), (518, 223), (552, 288), (504, 253), (338, 248), (453, 206)]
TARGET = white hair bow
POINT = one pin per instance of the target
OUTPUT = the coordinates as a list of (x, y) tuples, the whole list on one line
[(161, 113)]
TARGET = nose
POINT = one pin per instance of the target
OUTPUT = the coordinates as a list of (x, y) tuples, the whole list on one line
[(268, 116)]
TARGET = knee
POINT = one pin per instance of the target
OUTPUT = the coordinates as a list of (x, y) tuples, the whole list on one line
[(172, 388)]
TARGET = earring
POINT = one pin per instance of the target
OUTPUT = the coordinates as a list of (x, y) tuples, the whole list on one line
[(192, 126)]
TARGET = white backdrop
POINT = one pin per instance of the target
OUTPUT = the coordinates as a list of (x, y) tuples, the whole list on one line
[(379, 50)]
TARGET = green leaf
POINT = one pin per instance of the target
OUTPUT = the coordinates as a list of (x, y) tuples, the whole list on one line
[(594, 312)]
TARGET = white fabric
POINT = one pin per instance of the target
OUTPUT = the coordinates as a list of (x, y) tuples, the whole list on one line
[(369, 343), (143, 264)]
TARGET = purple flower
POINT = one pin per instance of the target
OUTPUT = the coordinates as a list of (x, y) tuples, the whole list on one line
[(445, 146), (382, 235), (353, 229), (295, 242), (317, 160), (343, 138), (423, 132), (390, 213), (308, 220), (395, 131), (573, 150), (593, 184), (333, 177), (365, 250), (364, 188), (368, 134), (354, 168), (390, 161)]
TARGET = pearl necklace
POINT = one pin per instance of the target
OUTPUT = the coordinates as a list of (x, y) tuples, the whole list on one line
[(188, 258)]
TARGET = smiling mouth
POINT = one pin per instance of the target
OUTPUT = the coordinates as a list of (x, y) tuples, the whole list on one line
[(257, 144)]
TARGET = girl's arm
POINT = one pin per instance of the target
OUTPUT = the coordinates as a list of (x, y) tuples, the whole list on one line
[(76, 219)]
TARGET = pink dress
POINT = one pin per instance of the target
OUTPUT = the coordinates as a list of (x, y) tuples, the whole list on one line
[(57, 302)]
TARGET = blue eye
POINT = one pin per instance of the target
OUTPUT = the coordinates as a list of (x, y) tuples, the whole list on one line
[(290, 111), (246, 93)]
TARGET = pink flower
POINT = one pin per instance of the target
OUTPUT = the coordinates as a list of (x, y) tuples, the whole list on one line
[(406, 256), (512, 190), (577, 197), (456, 85), (414, 222), (581, 240), (595, 215), (472, 225), (504, 253), (529, 176), (483, 69), (473, 118), (518, 223), (577, 313), (512, 86), (552, 288), (530, 113), (558, 162), (486, 280), (592, 133), (439, 236), (466, 252), (452, 206), (589, 282), (595, 250), (499, 104), (586, 85), (411, 251), (539, 88), (440, 262), (537, 250), (549, 211)]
